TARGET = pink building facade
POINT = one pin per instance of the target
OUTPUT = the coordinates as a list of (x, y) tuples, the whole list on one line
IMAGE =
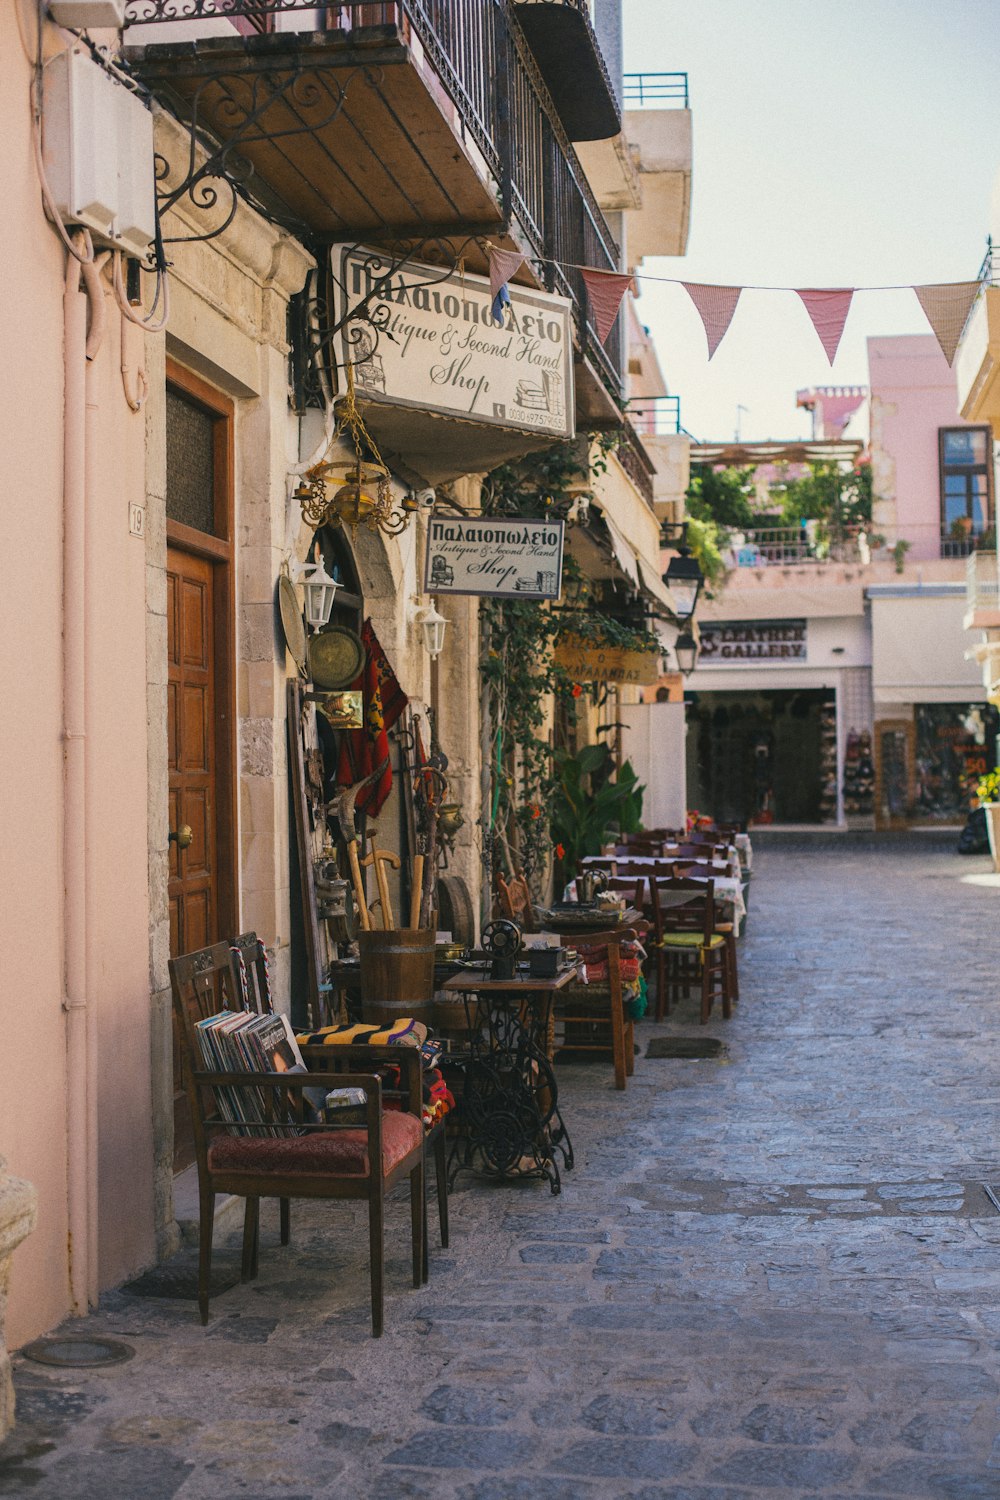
[(931, 479)]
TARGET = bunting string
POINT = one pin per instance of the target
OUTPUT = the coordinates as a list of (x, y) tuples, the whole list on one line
[(946, 305)]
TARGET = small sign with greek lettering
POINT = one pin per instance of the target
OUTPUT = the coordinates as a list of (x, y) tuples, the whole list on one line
[(508, 557), (585, 662)]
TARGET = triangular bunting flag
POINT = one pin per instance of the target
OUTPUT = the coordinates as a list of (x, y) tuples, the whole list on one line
[(716, 305), (503, 265), (828, 308), (605, 291), (947, 306)]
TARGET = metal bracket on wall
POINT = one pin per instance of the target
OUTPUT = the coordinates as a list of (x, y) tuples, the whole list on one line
[(322, 315), (215, 171)]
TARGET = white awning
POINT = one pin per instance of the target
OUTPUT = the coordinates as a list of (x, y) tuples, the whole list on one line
[(624, 556), (653, 585)]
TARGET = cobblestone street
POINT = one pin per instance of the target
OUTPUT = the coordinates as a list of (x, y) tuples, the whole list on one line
[(775, 1273)]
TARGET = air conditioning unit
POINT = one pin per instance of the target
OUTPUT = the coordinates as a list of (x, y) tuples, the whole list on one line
[(79, 14), (97, 150), (136, 222)]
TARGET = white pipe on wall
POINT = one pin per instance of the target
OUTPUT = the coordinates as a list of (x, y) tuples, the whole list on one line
[(78, 1165), (82, 340), (97, 323)]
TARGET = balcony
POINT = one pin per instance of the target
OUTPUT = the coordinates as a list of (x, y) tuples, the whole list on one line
[(656, 416), (977, 363), (817, 543), (646, 170), (422, 121), (568, 54), (657, 126), (636, 462)]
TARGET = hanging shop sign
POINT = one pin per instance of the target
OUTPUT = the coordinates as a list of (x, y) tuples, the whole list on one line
[(751, 641), (437, 348), (506, 557), (585, 662)]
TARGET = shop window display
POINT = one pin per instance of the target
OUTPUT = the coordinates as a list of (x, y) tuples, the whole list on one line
[(859, 774), (762, 757), (954, 747), (828, 763)]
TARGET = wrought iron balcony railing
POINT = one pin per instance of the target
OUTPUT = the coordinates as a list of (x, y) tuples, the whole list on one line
[(636, 461), (481, 57), (963, 541), (656, 91), (989, 271), (817, 542)]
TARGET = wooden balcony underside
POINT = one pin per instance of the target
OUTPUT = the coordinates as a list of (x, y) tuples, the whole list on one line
[(394, 157)]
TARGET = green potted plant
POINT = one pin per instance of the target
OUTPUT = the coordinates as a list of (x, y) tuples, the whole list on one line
[(988, 792), (587, 803)]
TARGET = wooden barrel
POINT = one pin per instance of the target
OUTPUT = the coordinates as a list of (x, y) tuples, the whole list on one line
[(397, 975)]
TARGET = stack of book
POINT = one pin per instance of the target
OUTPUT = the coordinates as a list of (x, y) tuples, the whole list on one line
[(243, 1041)]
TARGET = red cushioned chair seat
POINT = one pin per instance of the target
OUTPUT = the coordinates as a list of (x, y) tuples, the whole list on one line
[(341, 1153)]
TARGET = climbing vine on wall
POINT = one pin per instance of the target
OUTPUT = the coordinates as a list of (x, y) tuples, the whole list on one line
[(521, 678)]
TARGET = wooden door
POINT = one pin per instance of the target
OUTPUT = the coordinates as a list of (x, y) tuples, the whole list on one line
[(201, 708), (193, 886)]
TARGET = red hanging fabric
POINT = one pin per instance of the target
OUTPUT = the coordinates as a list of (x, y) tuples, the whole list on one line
[(363, 750)]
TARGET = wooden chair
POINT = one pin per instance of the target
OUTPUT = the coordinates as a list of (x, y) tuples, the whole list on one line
[(691, 869), (692, 949), (250, 972), (586, 1008), (251, 979), (296, 1160), (687, 871), (328, 1059), (644, 848)]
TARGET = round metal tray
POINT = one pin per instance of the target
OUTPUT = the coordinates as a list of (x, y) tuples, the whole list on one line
[(336, 657)]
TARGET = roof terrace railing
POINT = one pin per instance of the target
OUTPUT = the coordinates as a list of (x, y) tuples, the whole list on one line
[(656, 416), (656, 91), (816, 542)]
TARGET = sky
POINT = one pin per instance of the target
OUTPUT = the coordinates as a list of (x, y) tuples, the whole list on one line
[(850, 144)]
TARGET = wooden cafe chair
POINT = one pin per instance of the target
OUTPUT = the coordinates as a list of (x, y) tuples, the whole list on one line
[(693, 951), (295, 1159), (704, 872), (593, 1015)]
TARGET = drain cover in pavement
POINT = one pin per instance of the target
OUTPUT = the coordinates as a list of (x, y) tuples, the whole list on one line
[(180, 1281), (78, 1353), (685, 1046)]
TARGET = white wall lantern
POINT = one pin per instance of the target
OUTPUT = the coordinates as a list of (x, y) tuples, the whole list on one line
[(432, 627), (319, 591)]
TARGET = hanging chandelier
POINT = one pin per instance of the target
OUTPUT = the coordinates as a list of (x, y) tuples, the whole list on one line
[(353, 490)]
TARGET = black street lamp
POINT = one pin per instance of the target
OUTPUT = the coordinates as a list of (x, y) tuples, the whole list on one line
[(686, 650), (684, 579)]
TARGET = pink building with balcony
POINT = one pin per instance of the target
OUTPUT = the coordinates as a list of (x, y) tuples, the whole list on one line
[(931, 473)]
